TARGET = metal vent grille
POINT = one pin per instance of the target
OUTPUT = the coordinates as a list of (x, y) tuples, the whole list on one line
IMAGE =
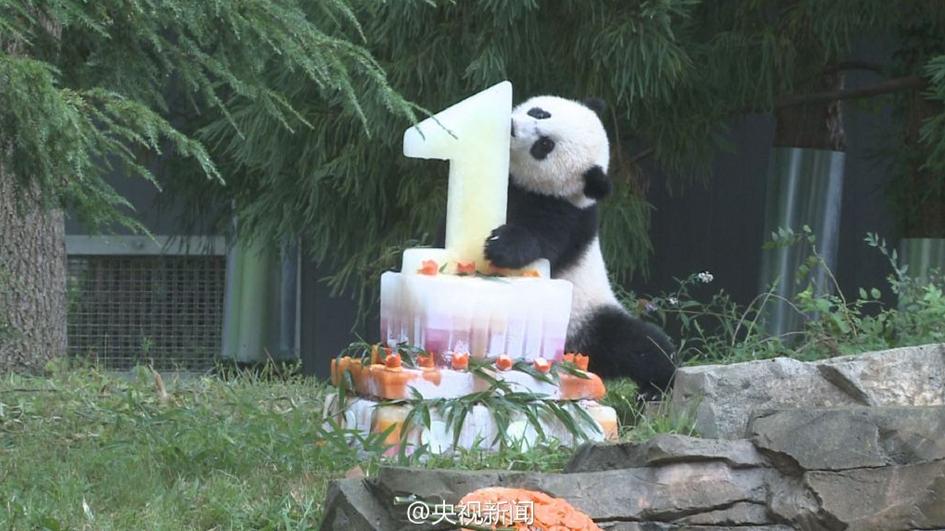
[(161, 310)]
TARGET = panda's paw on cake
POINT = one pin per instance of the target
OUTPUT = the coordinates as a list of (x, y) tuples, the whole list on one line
[(512, 246)]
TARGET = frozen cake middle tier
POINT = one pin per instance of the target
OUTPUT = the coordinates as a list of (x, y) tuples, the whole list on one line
[(521, 317)]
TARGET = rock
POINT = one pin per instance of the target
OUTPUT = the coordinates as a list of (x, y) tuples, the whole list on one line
[(739, 514), (908, 376), (349, 505), (719, 490), (661, 526), (885, 498), (859, 437), (662, 449), (722, 398), (661, 493), (440, 484), (791, 500)]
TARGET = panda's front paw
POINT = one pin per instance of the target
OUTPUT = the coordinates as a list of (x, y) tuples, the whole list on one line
[(512, 246), (597, 184)]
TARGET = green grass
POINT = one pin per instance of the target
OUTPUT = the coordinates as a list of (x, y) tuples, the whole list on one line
[(215, 454), (87, 449)]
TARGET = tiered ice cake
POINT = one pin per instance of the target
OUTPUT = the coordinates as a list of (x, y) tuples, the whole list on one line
[(470, 355), (449, 335)]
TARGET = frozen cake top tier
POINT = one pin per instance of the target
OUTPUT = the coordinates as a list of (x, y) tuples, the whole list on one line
[(428, 260)]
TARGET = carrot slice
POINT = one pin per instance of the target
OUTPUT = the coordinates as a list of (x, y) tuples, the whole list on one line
[(428, 267), (581, 361), (465, 268), (460, 360), (392, 361)]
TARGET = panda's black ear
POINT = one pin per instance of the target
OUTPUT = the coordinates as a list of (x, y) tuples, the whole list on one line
[(596, 183), (595, 104)]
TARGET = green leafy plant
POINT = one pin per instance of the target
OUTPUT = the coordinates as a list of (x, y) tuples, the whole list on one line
[(719, 330), (641, 420), (504, 404)]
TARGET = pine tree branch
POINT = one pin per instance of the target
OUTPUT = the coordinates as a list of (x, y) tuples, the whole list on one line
[(885, 87), (644, 154), (854, 65)]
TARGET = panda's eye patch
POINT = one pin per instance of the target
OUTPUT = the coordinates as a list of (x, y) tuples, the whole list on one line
[(542, 147), (538, 113)]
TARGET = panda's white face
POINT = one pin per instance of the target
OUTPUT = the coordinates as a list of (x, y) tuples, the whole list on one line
[(554, 141)]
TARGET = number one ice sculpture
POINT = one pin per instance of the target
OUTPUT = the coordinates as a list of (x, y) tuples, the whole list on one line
[(474, 136), (427, 304)]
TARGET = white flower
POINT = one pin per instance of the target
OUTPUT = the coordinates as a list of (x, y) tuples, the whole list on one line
[(673, 301), (705, 277)]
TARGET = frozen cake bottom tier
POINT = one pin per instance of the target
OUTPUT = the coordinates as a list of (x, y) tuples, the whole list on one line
[(479, 428)]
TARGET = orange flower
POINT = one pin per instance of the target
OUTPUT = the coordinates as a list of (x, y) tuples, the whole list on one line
[(569, 357), (428, 267), (504, 363), (460, 360), (542, 365), (581, 361), (465, 268), (531, 273), (545, 512), (425, 360), (392, 361)]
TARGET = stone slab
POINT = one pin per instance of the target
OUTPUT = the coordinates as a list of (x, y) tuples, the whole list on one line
[(857, 437), (723, 398), (884, 498), (662, 526), (351, 506), (663, 449), (658, 493), (907, 376)]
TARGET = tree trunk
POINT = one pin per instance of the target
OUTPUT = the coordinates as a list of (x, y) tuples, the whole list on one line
[(32, 280), (815, 125)]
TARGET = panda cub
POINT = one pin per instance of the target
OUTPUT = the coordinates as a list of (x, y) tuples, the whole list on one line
[(558, 173)]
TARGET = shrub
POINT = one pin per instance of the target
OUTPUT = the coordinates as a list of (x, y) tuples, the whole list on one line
[(719, 330)]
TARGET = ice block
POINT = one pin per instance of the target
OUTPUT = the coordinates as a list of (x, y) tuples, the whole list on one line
[(521, 317)]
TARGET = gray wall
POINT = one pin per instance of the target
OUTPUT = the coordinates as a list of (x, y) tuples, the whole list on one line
[(719, 226)]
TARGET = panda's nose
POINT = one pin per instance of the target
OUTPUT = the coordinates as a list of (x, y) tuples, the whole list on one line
[(513, 128)]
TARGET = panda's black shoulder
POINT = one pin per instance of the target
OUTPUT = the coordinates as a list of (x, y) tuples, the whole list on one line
[(564, 230)]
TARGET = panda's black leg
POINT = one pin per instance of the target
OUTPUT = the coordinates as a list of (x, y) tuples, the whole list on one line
[(622, 346), (512, 246)]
